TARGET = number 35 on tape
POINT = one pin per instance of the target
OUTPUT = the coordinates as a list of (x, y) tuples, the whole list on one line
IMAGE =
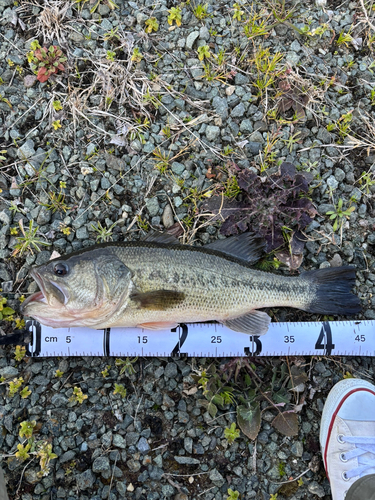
[(350, 338)]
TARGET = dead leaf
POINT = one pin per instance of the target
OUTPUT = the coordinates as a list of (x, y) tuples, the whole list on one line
[(286, 423), (191, 391), (248, 419), (292, 261)]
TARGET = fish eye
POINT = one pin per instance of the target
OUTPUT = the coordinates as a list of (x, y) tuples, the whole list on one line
[(60, 269)]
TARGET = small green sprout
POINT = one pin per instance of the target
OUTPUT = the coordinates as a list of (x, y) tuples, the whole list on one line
[(232, 189), (238, 13), (281, 469), (57, 105), (338, 214), (56, 124), (20, 353), (204, 52), (136, 56), (232, 495), (22, 454), (5, 311), (200, 11), (231, 433), (78, 396), (14, 385), (120, 389), (151, 25), (59, 373), (110, 55), (105, 372), (344, 39), (126, 365), (45, 454), (25, 392), (104, 234), (27, 427), (174, 15)]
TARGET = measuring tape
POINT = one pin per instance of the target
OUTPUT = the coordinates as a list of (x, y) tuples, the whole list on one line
[(334, 338)]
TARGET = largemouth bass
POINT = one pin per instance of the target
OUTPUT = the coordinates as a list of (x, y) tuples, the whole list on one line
[(157, 285)]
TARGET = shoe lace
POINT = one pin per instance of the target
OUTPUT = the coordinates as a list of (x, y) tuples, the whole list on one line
[(363, 446)]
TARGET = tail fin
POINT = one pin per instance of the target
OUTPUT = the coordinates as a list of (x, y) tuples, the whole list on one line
[(333, 291)]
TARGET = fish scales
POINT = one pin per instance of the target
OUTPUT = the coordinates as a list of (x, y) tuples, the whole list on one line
[(212, 283)]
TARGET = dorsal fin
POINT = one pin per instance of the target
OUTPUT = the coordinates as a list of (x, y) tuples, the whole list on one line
[(246, 246), (157, 237)]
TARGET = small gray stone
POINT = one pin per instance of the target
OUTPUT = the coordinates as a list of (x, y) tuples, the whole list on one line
[(152, 205), (59, 400), (332, 182), (168, 219), (241, 79), (339, 174), (133, 465), (246, 125), (143, 445), (121, 488), (212, 132), (82, 233), (67, 456), (221, 106), (187, 460), (86, 480), (26, 150), (191, 39), (261, 126), (131, 438), (297, 449), (170, 370), (253, 147), (177, 168), (118, 441), (316, 489), (101, 464), (177, 200), (336, 260), (29, 81), (325, 207), (256, 137), (8, 372), (295, 46), (204, 34), (238, 111), (156, 473), (188, 444), (216, 477)]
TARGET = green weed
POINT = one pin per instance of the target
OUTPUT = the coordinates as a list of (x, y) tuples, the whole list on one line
[(29, 241), (338, 214)]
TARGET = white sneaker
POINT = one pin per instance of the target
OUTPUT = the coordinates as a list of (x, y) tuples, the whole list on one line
[(347, 434)]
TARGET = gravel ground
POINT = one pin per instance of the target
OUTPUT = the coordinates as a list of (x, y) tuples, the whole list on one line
[(136, 132)]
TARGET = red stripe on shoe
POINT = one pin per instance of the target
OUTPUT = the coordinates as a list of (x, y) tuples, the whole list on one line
[(333, 419)]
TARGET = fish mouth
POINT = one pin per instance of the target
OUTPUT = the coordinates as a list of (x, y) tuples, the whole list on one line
[(41, 296)]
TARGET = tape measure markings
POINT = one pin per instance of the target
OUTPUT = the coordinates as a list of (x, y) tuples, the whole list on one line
[(207, 340)]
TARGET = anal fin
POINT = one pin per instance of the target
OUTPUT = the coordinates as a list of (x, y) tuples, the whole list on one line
[(253, 323), (158, 325)]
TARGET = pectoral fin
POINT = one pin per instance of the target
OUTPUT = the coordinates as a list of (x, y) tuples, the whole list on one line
[(253, 323), (158, 300)]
